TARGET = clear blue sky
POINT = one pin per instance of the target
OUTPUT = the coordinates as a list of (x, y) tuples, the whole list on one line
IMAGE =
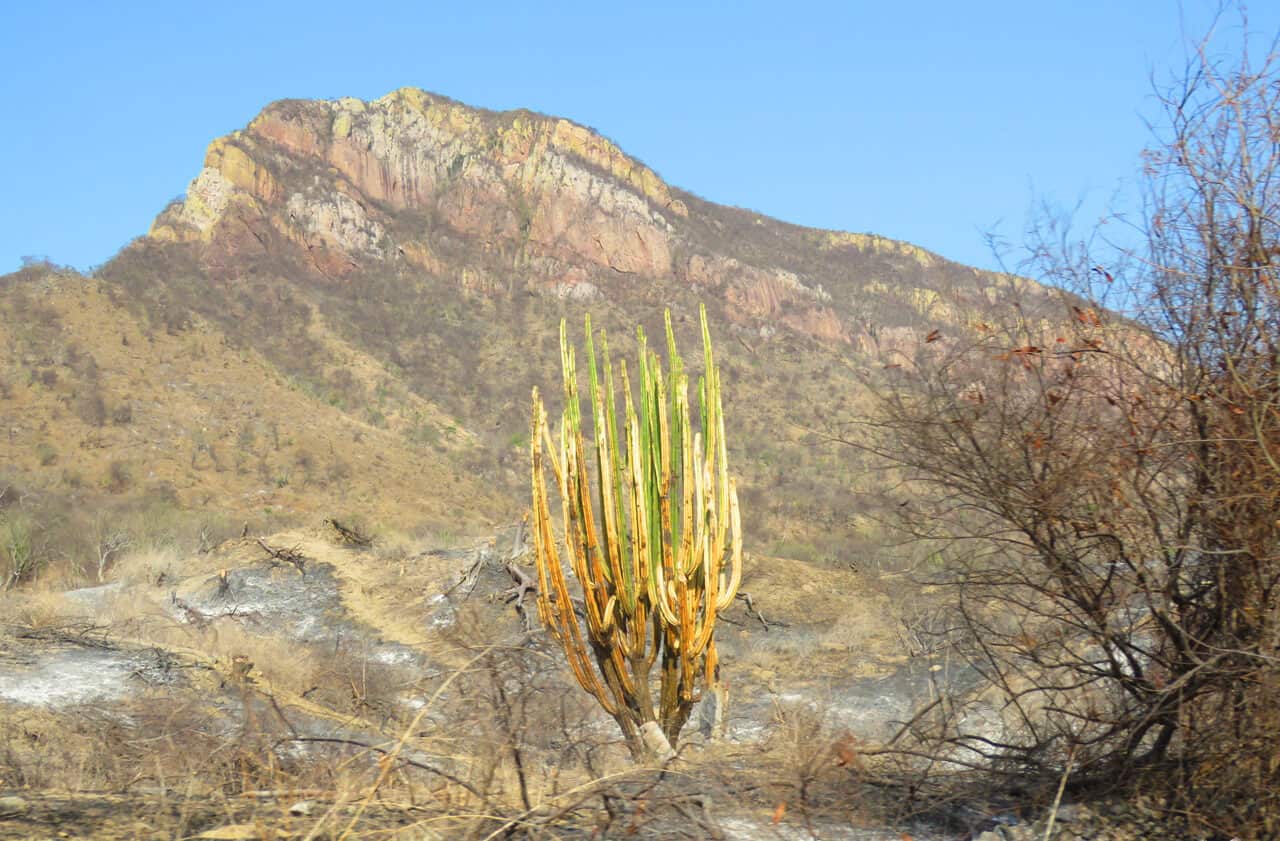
[(929, 121)]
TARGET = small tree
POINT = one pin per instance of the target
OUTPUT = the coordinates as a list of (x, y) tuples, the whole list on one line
[(109, 540), (1108, 481), (649, 540), (21, 559)]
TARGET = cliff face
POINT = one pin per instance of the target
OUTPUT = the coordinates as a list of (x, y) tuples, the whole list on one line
[(353, 186)]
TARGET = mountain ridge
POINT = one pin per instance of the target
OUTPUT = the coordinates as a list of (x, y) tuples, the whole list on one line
[(401, 267), (565, 207)]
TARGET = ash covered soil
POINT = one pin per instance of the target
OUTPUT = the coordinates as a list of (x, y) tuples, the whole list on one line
[(303, 684)]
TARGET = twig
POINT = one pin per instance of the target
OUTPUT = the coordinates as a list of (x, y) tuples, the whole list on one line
[(547, 813), (289, 556), (1057, 800), (523, 586), (355, 743), (194, 616), (907, 725), (468, 578), (275, 705), (349, 535), (86, 634), (394, 753), (754, 611)]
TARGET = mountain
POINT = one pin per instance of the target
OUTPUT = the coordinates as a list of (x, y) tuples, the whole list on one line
[(416, 184), (349, 306)]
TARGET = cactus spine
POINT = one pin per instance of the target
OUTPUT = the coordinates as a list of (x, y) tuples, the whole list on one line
[(655, 540)]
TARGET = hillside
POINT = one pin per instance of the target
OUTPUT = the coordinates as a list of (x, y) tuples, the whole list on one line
[(108, 420), (342, 321), (350, 305)]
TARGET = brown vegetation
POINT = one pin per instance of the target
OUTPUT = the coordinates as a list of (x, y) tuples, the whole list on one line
[(1105, 488), (229, 724)]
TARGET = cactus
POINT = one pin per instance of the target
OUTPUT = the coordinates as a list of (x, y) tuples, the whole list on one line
[(655, 540)]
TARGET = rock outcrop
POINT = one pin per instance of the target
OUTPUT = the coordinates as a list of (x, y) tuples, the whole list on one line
[(347, 185)]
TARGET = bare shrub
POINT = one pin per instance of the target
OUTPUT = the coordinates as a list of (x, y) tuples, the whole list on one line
[(119, 476), (19, 548), (47, 454), (1107, 485), (91, 408), (122, 414)]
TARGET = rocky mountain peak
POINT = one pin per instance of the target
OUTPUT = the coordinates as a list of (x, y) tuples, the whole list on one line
[(332, 176), (386, 281), (494, 200)]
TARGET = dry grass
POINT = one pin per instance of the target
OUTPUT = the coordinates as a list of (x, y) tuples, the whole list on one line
[(238, 443)]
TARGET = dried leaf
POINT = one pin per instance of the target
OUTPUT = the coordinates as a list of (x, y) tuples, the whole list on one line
[(1088, 316), (846, 751), (933, 336), (779, 811)]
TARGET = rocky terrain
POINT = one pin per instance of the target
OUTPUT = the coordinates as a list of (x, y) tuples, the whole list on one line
[(315, 656), (263, 687), (408, 261), (341, 321), (294, 668)]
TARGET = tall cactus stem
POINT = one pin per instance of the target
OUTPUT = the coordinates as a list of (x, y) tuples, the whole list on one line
[(650, 530)]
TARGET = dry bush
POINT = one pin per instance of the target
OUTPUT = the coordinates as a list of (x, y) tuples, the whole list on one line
[(1109, 484), (74, 539), (35, 608), (151, 565), (803, 749), (207, 768)]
